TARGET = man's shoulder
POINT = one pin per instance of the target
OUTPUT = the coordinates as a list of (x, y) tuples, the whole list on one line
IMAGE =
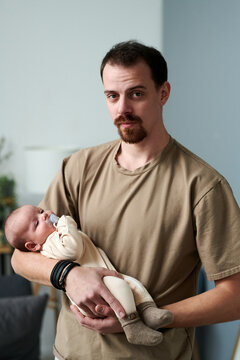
[(193, 161), (101, 148), (191, 170), (194, 172), (96, 150), (90, 157)]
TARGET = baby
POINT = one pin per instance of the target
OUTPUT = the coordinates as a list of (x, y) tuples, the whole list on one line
[(30, 228)]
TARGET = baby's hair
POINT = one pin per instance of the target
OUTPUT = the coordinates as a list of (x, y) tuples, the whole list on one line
[(13, 235)]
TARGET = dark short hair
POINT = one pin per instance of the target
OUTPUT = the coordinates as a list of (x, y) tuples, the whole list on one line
[(130, 52), (12, 235)]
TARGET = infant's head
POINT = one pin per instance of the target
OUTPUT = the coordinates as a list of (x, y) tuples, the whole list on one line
[(28, 227)]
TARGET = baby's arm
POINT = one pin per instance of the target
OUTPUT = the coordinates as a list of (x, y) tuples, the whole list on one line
[(66, 243)]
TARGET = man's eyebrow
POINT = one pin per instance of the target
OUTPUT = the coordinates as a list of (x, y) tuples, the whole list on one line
[(130, 89), (108, 91)]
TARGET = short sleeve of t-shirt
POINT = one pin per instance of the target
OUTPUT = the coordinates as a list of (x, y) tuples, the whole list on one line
[(217, 218)]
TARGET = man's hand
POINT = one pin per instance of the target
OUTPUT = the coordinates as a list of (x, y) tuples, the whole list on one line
[(107, 325), (87, 289)]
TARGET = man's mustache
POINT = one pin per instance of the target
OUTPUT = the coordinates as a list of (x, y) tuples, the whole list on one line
[(127, 118)]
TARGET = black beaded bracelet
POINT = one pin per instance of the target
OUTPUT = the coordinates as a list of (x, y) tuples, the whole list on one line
[(58, 270)]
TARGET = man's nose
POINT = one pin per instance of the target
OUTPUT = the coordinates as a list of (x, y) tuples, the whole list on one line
[(124, 106)]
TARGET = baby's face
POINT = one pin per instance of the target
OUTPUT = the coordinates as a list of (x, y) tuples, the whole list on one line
[(37, 224)]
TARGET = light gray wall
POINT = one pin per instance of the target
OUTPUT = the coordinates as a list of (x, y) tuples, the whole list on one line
[(50, 88), (51, 50), (201, 44)]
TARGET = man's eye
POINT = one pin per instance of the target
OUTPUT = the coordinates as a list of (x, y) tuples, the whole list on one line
[(41, 211), (137, 94), (111, 96)]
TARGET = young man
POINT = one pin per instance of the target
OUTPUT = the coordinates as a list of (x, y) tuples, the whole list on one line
[(149, 198)]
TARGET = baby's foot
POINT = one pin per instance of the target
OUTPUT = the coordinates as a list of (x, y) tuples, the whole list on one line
[(138, 333), (153, 316)]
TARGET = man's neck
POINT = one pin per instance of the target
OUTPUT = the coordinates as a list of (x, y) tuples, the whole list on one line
[(133, 156)]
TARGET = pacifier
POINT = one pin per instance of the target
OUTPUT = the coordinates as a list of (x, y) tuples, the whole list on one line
[(54, 219)]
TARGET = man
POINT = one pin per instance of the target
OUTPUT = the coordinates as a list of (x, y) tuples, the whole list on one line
[(156, 209)]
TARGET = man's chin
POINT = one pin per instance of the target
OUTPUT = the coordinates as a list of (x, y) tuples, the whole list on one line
[(130, 141), (132, 137)]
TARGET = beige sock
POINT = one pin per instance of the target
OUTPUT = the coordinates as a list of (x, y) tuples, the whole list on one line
[(138, 333), (154, 317)]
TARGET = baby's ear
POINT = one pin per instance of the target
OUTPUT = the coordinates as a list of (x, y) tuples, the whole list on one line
[(31, 246)]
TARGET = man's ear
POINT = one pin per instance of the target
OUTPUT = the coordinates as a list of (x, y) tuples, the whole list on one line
[(31, 246), (164, 92)]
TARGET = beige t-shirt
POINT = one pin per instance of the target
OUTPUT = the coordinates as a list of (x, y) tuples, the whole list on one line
[(158, 224)]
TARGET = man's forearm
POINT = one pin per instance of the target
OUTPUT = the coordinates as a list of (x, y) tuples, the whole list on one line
[(217, 305), (33, 266), (84, 285)]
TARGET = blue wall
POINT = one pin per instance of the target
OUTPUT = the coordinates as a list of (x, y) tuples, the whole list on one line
[(201, 45)]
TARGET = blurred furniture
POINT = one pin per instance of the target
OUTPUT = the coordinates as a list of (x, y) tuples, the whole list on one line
[(5, 258), (5, 254), (52, 301), (21, 315)]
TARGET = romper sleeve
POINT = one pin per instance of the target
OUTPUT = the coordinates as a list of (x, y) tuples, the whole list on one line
[(217, 220), (67, 241)]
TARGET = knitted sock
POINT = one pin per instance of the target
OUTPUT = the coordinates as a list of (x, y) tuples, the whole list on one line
[(138, 333), (154, 317)]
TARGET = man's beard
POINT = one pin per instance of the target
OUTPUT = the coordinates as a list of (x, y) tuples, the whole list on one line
[(133, 134)]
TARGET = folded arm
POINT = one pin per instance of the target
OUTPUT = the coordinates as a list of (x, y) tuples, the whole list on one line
[(83, 284), (33, 266), (217, 305)]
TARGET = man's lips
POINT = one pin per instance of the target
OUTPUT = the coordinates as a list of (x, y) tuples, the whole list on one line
[(128, 124), (127, 121)]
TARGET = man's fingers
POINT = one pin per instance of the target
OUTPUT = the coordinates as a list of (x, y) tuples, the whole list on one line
[(113, 303), (89, 310), (83, 320), (75, 310), (117, 307), (107, 325), (106, 272), (91, 291), (103, 310)]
